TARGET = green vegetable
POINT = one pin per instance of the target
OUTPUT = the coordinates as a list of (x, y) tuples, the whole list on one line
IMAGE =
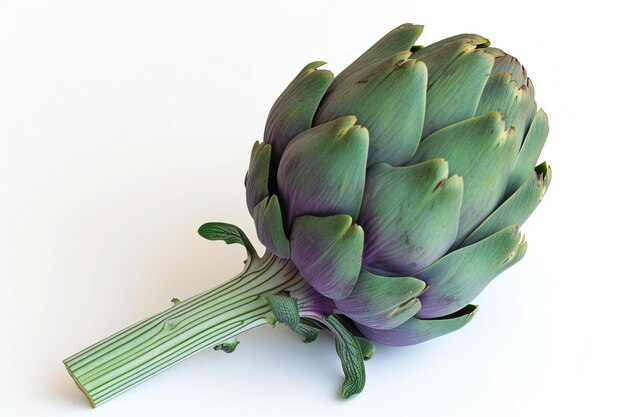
[(387, 198)]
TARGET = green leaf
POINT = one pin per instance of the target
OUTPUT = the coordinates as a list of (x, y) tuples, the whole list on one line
[(382, 302), (308, 329), (530, 151), (257, 177), (471, 38), (327, 252), (518, 207), (349, 351), (367, 348), (228, 346), (506, 63), (268, 220), (458, 278), (322, 171), (531, 114), (285, 309), (399, 39), (481, 151), (440, 55), (389, 99), (455, 94), (228, 233), (411, 215), (514, 103), (416, 330), (293, 111)]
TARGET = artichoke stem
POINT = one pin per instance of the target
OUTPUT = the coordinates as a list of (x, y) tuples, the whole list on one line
[(125, 359)]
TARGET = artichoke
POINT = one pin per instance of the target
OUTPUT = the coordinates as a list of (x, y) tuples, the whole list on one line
[(387, 197)]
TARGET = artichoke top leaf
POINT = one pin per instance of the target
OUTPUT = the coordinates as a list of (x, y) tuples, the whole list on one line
[(399, 39), (388, 97), (293, 111)]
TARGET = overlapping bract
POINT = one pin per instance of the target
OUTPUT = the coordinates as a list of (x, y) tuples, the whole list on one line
[(398, 187)]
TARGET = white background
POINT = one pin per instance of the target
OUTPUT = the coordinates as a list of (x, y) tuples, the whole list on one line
[(125, 125)]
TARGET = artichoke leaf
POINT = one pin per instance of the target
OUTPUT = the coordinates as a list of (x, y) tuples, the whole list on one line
[(322, 171), (268, 220), (410, 215), (228, 233), (456, 93), (389, 98), (293, 111), (515, 103), (416, 330), (529, 152), (351, 356), (228, 346), (307, 329), (399, 39), (481, 151), (460, 276), (367, 348), (327, 252), (471, 38), (382, 302), (439, 58), (518, 207), (257, 177), (507, 63), (285, 309)]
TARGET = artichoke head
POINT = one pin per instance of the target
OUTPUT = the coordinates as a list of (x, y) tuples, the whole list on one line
[(397, 188)]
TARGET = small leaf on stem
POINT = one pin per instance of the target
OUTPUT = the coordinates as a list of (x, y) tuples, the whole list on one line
[(228, 346), (349, 351), (229, 233)]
